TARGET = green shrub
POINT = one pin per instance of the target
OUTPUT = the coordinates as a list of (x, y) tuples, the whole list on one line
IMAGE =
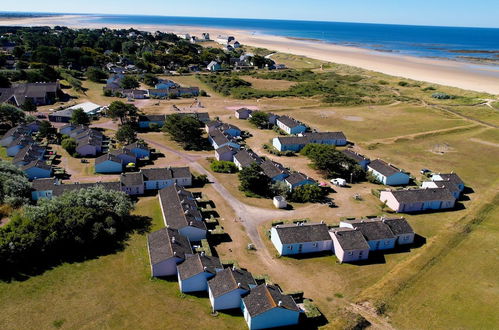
[(221, 166), (403, 83), (442, 96)]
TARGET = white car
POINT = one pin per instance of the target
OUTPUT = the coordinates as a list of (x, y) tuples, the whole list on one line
[(339, 182)]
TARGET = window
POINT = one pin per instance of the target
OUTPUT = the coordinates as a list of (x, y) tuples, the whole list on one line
[(350, 253), (387, 242), (315, 244), (290, 247)]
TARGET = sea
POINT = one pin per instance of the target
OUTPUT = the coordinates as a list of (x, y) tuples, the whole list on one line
[(457, 43)]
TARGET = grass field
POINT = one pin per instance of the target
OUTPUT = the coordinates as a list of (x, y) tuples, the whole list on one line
[(114, 291)]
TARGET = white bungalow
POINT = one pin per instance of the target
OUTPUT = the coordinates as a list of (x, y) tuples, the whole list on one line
[(227, 287), (195, 271), (377, 234), (301, 238), (349, 245)]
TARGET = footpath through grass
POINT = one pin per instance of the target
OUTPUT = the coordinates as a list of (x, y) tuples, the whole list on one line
[(114, 291)]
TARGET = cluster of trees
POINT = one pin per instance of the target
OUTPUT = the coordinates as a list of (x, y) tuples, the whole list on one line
[(260, 119), (185, 130), (254, 183), (221, 166), (333, 163), (224, 83), (79, 117), (14, 185), (77, 224), (12, 116), (126, 113)]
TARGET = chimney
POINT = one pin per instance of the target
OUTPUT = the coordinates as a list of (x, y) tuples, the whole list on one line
[(239, 285), (279, 303), (173, 240), (233, 267)]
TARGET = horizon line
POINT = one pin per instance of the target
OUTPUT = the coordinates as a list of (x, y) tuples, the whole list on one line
[(249, 18)]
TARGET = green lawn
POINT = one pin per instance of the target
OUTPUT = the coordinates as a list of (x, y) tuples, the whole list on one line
[(113, 291)]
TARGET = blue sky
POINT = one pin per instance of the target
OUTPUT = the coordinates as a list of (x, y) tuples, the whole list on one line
[(483, 13)]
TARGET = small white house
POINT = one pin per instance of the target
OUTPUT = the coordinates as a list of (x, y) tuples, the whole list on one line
[(401, 229), (196, 270), (88, 107), (267, 307), (228, 286), (387, 174), (301, 238), (349, 245), (290, 125), (167, 248), (417, 200), (280, 202)]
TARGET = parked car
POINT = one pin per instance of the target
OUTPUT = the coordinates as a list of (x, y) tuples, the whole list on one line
[(424, 171), (339, 182)]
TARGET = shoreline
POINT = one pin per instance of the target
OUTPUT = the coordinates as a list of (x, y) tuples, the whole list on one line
[(466, 75)]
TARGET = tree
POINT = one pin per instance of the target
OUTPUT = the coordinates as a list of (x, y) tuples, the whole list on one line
[(185, 130), (69, 144), (78, 223), (79, 117), (220, 166), (96, 74), (129, 82), (126, 134), (259, 119), (11, 115), (14, 185), (46, 129), (309, 193), (4, 81), (252, 180), (150, 79), (279, 188), (333, 163), (29, 106), (125, 112)]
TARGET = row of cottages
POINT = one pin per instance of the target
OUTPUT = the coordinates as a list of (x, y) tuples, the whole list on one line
[(263, 306), (134, 184), (42, 93), (296, 143), (26, 153), (223, 134), (290, 125), (65, 115), (116, 160), (89, 141), (361, 160), (180, 212), (145, 121), (388, 174), (172, 92), (351, 242)]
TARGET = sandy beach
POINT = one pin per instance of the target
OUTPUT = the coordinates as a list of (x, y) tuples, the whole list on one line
[(468, 76)]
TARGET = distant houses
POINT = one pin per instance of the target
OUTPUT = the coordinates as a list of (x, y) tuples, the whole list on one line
[(387, 174), (296, 143), (64, 116), (145, 121), (42, 93)]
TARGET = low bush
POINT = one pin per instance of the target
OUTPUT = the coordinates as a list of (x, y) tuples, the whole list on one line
[(221, 166)]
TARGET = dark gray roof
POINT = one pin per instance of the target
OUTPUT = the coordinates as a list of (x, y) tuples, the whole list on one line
[(266, 297), (297, 177), (244, 110), (43, 184), (289, 122), (350, 239), (132, 179), (198, 264), (372, 230), (22, 140), (37, 163), (17, 131), (452, 177), (317, 137), (354, 155), (225, 149), (31, 90), (229, 280), (383, 167), (167, 243), (29, 154), (447, 184), (137, 145), (107, 157), (123, 151), (152, 118), (246, 158), (272, 169), (220, 138), (398, 226), (301, 233), (179, 208), (166, 173), (422, 195)]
